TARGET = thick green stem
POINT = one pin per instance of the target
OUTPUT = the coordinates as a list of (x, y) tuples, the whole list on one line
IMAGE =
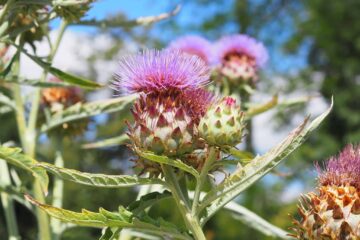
[(200, 182), (8, 203), (56, 224), (191, 222)]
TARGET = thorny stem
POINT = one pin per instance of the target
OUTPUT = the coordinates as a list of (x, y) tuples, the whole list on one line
[(200, 182), (8, 203), (191, 222)]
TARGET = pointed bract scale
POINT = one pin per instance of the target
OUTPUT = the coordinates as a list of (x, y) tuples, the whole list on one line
[(222, 124), (334, 213)]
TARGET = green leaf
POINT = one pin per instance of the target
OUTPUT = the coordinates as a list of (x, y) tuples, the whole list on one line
[(244, 177), (110, 142), (66, 77), (110, 234), (85, 110), (36, 82), (254, 221), (120, 219), (14, 157), (8, 66), (7, 101), (147, 201), (72, 79), (168, 161), (99, 180)]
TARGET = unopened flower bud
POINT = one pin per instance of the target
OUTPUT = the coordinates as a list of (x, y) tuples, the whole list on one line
[(222, 124)]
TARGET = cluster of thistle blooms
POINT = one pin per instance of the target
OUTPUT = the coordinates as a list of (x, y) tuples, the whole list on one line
[(57, 99), (236, 57), (333, 213), (174, 114)]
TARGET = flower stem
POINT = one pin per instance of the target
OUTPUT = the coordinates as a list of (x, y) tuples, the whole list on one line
[(8, 203), (56, 224), (191, 222), (200, 182)]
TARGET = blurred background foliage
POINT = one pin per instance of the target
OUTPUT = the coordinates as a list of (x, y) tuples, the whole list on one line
[(315, 49)]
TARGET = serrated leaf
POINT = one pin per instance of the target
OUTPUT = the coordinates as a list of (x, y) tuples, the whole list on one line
[(244, 177), (168, 161), (110, 142), (256, 222), (13, 156), (85, 110), (120, 219), (99, 180)]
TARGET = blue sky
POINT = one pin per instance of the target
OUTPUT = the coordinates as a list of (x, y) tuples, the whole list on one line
[(190, 14)]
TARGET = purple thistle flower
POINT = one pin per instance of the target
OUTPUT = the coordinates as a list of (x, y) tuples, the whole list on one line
[(194, 45), (343, 169), (242, 45), (159, 71)]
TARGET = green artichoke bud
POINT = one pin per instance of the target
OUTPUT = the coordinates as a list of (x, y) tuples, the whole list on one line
[(222, 124), (163, 125)]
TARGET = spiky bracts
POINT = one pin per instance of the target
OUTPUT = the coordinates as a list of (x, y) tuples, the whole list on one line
[(163, 125), (160, 71), (171, 102), (333, 213), (222, 124), (239, 57), (194, 45)]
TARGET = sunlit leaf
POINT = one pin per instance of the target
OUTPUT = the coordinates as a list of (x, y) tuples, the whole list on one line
[(99, 180), (168, 161), (245, 176), (120, 219), (85, 110), (15, 157)]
